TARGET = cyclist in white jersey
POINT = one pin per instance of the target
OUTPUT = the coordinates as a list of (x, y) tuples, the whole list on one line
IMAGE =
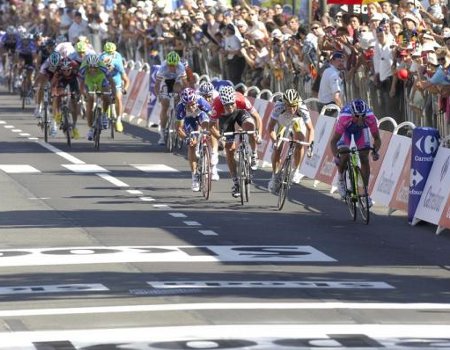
[(288, 115), (171, 77)]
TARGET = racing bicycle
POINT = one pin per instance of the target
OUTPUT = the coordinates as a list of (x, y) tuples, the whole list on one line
[(284, 176), (66, 120), (173, 141), (356, 191), (244, 162), (97, 115), (203, 161)]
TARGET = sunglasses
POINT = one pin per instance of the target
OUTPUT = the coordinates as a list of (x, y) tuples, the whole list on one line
[(314, 28), (441, 59), (293, 105), (228, 105)]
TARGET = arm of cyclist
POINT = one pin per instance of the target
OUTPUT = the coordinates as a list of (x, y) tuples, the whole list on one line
[(258, 123), (126, 83), (333, 145)]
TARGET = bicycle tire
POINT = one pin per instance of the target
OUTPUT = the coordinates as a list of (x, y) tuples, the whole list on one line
[(112, 118), (45, 124), (169, 132), (205, 176), (23, 94), (285, 179), (247, 177), (67, 125), (363, 197), (241, 174), (349, 196), (97, 128)]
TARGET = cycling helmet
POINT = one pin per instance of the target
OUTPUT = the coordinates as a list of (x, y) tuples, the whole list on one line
[(206, 88), (188, 96), (80, 47), (291, 97), (54, 59), (83, 39), (92, 61), (227, 95), (10, 30), (21, 30), (65, 64), (109, 47), (173, 58), (359, 107)]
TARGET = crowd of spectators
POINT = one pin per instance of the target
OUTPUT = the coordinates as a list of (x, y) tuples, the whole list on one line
[(396, 55)]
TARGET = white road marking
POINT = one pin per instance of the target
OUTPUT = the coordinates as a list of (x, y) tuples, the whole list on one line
[(192, 223), (121, 254), (56, 288), (8, 126), (208, 232), (16, 130), (33, 138), (60, 153), (222, 306), (113, 180), (85, 168), (178, 215), (134, 192), (272, 284), (2, 122), (161, 206), (24, 134), (147, 199), (18, 169), (152, 168)]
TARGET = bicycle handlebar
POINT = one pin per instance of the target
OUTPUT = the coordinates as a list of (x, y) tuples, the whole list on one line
[(303, 143), (239, 132)]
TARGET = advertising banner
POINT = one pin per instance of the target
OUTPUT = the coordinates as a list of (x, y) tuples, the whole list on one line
[(437, 189), (151, 96), (375, 166), (391, 169), (399, 200), (425, 142)]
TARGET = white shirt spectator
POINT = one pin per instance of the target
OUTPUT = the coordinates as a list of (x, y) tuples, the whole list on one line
[(232, 43), (383, 59), (77, 28), (330, 83)]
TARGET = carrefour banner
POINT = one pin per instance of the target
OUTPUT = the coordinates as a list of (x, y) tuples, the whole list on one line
[(436, 193), (151, 87), (425, 143)]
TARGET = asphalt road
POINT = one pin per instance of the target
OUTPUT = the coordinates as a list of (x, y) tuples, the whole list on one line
[(112, 250)]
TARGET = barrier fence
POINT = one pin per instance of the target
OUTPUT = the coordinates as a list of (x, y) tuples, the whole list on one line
[(391, 176)]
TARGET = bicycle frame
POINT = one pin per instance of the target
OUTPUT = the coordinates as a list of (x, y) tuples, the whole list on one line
[(66, 115), (46, 103), (171, 135), (97, 110)]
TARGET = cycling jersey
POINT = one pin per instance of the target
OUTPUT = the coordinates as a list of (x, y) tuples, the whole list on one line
[(26, 47), (116, 70), (192, 119), (65, 49), (95, 79), (284, 119), (164, 73), (116, 57), (241, 103), (9, 41), (346, 127)]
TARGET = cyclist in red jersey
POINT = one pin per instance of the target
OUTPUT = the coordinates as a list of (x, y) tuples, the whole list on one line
[(228, 109)]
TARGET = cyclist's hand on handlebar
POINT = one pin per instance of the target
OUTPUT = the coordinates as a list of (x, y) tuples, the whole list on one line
[(124, 92), (258, 138)]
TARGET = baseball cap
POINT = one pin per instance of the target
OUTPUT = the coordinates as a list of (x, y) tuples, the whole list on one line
[(337, 55)]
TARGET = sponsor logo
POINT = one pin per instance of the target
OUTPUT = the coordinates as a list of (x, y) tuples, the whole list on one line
[(444, 168), (415, 178), (428, 144)]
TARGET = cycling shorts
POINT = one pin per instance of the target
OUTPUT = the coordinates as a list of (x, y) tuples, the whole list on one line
[(95, 82), (27, 58), (227, 122)]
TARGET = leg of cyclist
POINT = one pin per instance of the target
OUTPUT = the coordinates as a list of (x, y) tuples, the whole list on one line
[(214, 158), (75, 96), (164, 99), (56, 90), (119, 104), (276, 162), (298, 156), (38, 84), (248, 124)]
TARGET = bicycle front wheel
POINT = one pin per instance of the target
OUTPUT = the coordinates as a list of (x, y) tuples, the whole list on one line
[(285, 182), (205, 179), (97, 127), (363, 197), (46, 124), (67, 125), (350, 194), (171, 133)]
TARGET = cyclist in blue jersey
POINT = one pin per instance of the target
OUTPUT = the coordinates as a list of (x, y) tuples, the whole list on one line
[(27, 53), (122, 82), (192, 114), (209, 93)]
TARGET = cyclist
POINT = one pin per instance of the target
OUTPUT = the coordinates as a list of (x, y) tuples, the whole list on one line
[(355, 119), (228, 108), (95, 77), (111, 49), (66, 74), (82, 48), (189, 73), (192, 113), (8, 44), (113, 62), (289, 115), (170, 77), (27, 52), (207, 91)]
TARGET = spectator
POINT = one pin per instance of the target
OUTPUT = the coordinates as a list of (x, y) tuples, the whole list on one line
[(79, 27), (331, 90), (234, 62)]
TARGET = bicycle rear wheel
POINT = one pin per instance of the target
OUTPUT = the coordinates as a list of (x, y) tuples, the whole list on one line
[(170, 132), (247, 177), (285, 179), (112, 118), (97, 127), (205, 174), (350, 197), (363, 197)]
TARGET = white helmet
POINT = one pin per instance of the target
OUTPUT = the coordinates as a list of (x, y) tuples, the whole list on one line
[(227, 95)]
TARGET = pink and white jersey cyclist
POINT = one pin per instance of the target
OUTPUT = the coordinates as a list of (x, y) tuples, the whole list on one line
[(358, 121)]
